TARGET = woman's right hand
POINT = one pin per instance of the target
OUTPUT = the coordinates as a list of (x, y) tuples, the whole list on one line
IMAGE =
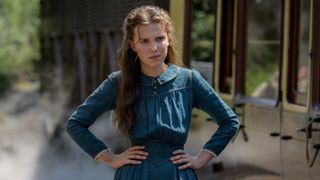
[(133, 155)]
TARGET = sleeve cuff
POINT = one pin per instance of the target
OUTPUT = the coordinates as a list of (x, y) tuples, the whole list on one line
[(100, 153), (206, 150)]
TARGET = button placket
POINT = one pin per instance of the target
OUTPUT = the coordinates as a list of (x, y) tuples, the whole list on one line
[(154, 85)]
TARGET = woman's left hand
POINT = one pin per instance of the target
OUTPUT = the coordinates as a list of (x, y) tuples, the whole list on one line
[(189, 161)]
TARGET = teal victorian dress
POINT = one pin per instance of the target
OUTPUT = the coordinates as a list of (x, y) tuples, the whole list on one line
[(162, 119)]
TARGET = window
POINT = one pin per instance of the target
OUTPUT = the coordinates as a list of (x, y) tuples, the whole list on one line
[(263, 48), (202, 37), (299, 52)]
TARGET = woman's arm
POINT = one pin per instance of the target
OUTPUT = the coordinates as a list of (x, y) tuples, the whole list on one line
[(206, 99), (101, 100)]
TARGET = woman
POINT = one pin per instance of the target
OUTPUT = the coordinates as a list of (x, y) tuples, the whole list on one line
[(152, 97)]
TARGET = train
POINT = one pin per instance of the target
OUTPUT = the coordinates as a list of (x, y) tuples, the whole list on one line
[(262, 57)]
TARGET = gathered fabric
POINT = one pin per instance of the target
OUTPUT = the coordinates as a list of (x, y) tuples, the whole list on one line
[(157, 165), (162, 119)]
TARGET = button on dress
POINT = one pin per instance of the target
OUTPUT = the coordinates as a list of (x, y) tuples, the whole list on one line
[(162, 120)]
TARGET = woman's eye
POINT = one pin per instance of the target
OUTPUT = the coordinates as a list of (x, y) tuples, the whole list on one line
[(160, 38), (143, 41)]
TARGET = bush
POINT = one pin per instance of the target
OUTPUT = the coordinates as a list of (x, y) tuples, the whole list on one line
[(19, 25), (6, 80)]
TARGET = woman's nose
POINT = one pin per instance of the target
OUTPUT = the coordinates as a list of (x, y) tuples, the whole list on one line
[(154, 47)]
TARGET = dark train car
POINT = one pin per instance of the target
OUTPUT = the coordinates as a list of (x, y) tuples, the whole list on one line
[(266, 65), (79, 40), (264, 61)]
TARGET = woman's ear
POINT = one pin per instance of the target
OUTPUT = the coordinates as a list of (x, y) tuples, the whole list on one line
[(132, 46)]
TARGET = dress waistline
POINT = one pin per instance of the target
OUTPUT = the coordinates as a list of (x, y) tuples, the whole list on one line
[(159, 150)]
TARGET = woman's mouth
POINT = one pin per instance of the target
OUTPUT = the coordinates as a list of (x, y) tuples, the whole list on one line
[(154, 57)]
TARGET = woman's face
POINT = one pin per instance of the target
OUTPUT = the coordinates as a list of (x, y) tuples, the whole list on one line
[(150, 42)]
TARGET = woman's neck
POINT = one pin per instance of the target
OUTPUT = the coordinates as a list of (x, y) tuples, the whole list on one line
[(155, 72)]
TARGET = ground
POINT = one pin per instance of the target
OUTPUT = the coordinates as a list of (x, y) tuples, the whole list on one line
[(27, 149), (31, 150)]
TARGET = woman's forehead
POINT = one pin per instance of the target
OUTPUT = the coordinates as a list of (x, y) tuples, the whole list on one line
[(149, 30)]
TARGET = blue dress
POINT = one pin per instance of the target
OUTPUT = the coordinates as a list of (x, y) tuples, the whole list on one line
[(162, 119)]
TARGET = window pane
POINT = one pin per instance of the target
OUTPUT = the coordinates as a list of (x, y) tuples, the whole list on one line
[(202, 37), (303, 61), (263, 48)]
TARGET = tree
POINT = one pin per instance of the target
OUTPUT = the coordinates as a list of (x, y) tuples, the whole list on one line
[(19, 22)]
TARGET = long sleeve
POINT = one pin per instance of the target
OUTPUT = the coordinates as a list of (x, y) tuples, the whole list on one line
[(101, 100), (206, 99)]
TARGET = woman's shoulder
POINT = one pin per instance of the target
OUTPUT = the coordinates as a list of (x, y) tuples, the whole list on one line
[(111, 79), (183, 76), (188, 72), (183, 71), (114, 76), (191, 75)]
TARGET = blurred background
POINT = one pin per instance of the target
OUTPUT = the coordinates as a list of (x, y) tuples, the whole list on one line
[(39, 89), (261, 57)]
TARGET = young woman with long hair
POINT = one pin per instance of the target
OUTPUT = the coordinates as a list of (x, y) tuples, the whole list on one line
[(152, 95)]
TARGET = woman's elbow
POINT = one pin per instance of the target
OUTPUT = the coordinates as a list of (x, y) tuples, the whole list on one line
[(237, 123), (71, 127)]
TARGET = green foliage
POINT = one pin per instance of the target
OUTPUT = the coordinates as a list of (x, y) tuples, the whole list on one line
[(203, 22), (19, 22), (256, 76), (263, 43)]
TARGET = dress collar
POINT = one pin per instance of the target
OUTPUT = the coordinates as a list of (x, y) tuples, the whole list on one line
[(169, 74)]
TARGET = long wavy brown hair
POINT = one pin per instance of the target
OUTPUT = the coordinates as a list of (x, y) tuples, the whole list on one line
[(129, 63)]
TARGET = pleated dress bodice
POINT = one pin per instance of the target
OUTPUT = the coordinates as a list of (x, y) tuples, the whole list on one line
[(162, 119)]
